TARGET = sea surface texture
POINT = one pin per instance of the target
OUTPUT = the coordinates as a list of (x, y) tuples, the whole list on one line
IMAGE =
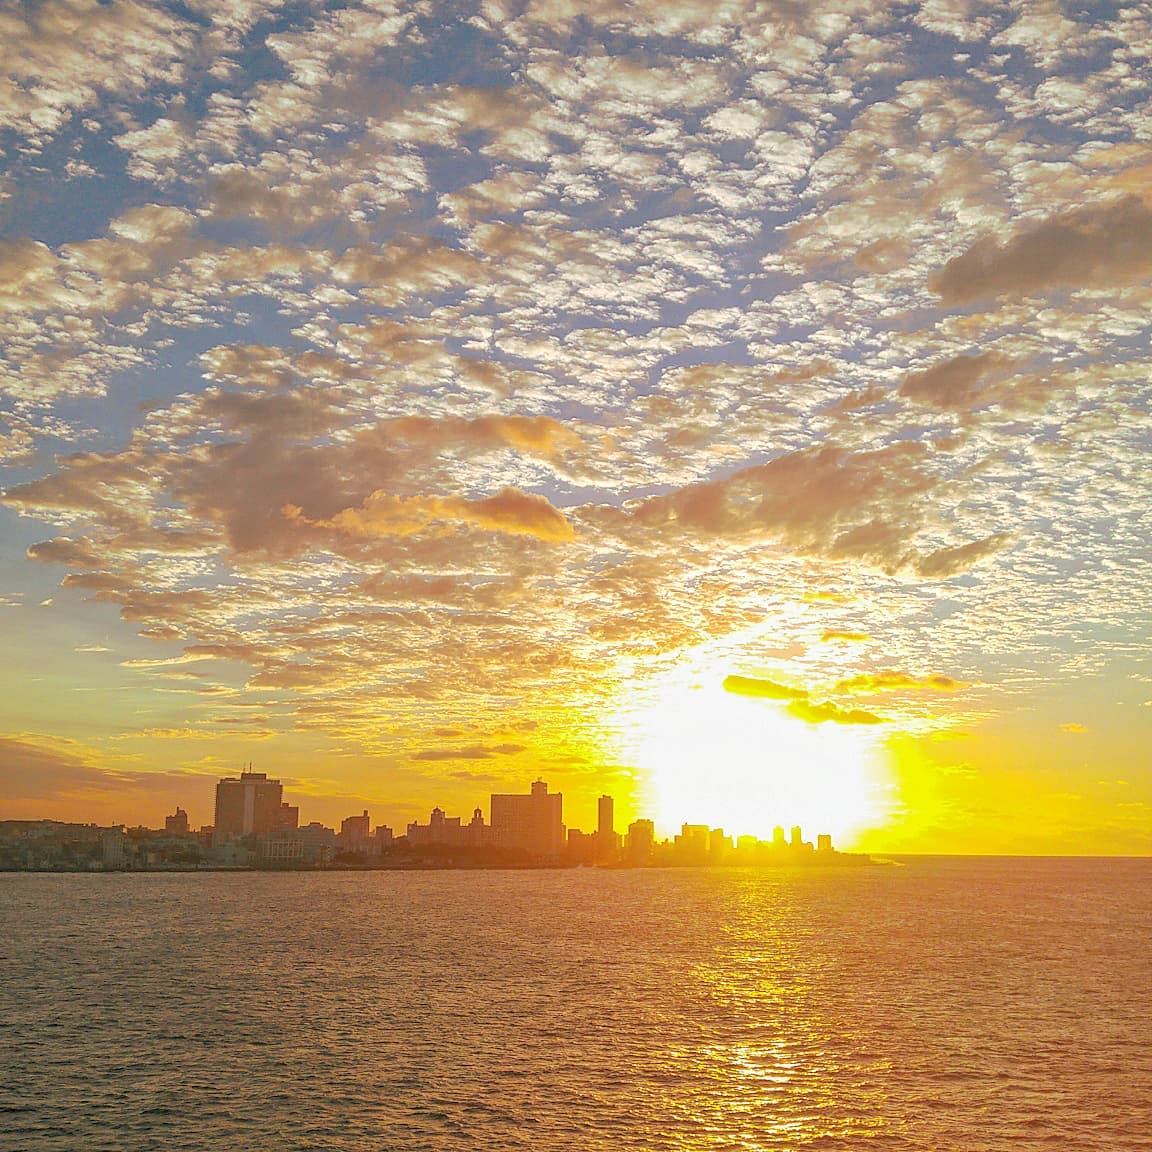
[(945, 1005)]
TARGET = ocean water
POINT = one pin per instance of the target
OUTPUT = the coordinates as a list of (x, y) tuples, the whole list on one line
[(942, 1005)]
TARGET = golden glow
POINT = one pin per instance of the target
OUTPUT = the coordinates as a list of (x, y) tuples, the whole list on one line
[(706, 756)]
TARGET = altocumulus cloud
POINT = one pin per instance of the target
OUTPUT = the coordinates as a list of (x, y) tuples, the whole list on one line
[(473, 752)]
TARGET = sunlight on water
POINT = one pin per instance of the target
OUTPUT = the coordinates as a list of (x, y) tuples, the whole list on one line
[(944, 1006)]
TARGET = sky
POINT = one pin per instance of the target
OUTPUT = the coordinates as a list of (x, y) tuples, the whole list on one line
[(738, 407)]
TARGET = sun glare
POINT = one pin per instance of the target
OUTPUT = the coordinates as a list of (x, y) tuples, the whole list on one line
[(707, 756)]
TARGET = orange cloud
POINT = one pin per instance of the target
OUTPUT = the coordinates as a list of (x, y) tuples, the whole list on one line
[(950, 561), (824, 500), (475, 752), (895, 681), (951, 384), (1098, 244), (510, 510)]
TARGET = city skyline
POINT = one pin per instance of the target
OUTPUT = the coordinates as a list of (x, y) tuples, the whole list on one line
[(254, 828), (252, 803), (736, 408)]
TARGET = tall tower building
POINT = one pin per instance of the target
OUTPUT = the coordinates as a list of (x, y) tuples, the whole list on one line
[(248, 804), (532, 823), (605, 817), (607, 842)]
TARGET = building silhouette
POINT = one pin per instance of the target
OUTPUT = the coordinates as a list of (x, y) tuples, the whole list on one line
[(640, 841), (440, 831), (719, 845), (691, 845), (251, 804), (607, 842), (311, 845), (354, 832), (606, 816), (177, 823), (476, 833), (532, 823)]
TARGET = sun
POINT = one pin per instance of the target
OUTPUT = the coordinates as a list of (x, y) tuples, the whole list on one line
[(707, 756)]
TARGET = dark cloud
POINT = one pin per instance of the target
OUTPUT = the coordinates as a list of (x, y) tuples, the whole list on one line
[(950, 561), (30, 771), (60, 550), (813, 713), (1101, 244), (824, 500), (765, 689), (951, 384)]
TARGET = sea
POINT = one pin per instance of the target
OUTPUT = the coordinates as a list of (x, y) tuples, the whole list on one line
[(943, 1004)]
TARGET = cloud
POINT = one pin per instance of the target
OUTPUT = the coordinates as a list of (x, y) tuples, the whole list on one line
[(510, 510), (61, 56), (953, 383), (1098, 245), (825, 500), (813, 713), (30, 769), (62, 550), (1074, 728), (475, 752), (566, 365), (765, 689), (893, 681), (946, 562)]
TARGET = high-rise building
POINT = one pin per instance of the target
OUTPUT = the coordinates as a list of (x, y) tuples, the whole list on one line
[(824, 842), (607, 842), (354, 831), (639, 841), (605, 817), (533, 823), (797, 840), (778, 836), (250, 804), (177, 823)]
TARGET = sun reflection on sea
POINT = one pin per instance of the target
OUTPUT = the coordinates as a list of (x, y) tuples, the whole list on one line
[(774, 1042)]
